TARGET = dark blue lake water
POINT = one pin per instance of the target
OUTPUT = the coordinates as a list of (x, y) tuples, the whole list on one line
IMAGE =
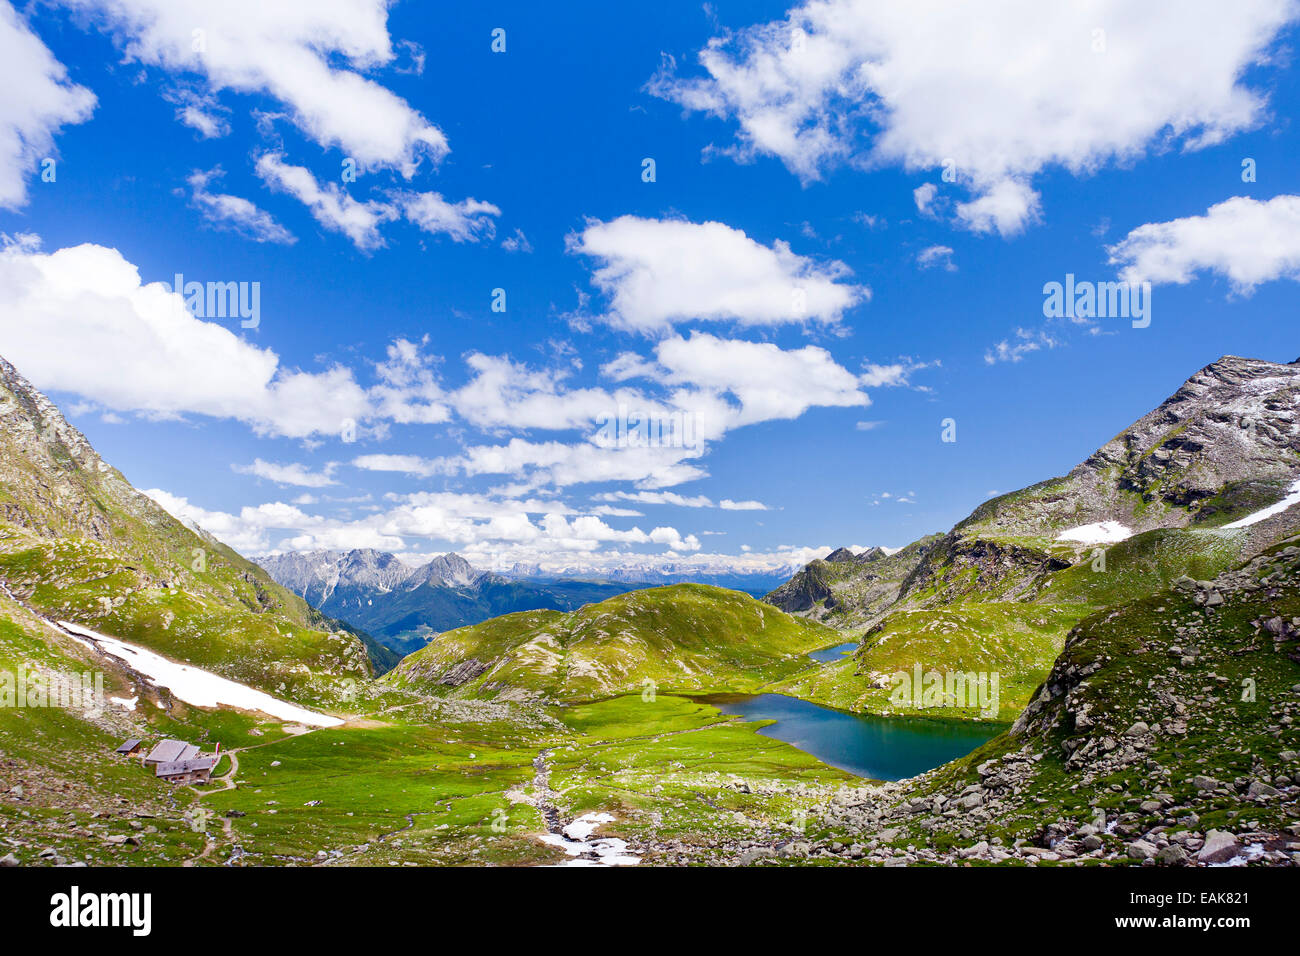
[(882, 748), (827, 654)]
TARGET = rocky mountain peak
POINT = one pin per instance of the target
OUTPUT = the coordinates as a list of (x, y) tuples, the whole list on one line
[(317, 575), (449, 569), (1236, 420), (58, 484)]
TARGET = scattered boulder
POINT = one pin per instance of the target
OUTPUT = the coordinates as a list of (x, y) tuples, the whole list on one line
[(1220, 847), (1141, 850)]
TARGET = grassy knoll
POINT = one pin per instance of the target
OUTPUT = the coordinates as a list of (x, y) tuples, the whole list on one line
[(1018, 641), (685, 637)]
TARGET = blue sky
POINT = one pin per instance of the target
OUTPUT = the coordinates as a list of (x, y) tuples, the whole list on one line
[(787, 167)]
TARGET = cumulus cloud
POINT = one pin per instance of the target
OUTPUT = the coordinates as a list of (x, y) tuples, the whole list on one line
[(1246, 240), (996, 90), (659, 272), (769, 382), (1004, 207), (235, 213), (80, 320), (38, 101), (308, 54), (460, 520), (504, 393), (561, 464)]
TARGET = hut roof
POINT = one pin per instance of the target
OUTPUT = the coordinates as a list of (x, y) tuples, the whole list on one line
[(170, 751), (175, 768)]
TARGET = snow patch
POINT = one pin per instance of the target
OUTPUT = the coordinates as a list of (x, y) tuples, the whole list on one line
[(194, 685), (575, 842), (1100, 532), (1292, 498)]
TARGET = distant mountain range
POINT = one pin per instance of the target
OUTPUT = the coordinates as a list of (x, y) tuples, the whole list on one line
[(754, 583), (402, 607)]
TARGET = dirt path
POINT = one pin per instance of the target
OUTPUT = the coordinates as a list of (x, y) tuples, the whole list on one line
[(227, 783)]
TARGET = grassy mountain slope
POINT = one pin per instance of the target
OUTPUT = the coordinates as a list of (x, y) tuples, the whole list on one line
[(1017, 641), (1000, 591), (1164, 719), (681, 637), (79, 543)]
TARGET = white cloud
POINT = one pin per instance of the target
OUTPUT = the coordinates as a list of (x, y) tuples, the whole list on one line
[(658, 272), (293, 473), (1014, 350), (769, 382), (895, 374), (517, 242), (1247, 240), (1005, 207), (234, 212), (924, 196), (402, 464), (681, 501), (469, 220), (466, 221), (459, 520), (997, 90), (201, 112), (330, 205), (504, 393), (936, 256), (491, 534), (658, 498), (560, 465), (79, 320), (38, 100), (293, 50), (726, 504), (407, 392)]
